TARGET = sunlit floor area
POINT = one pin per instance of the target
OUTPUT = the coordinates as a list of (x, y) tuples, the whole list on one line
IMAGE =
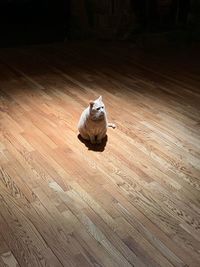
[(132, 201)]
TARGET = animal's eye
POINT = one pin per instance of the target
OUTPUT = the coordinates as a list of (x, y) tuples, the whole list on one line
[(102, 107), (98, 108)]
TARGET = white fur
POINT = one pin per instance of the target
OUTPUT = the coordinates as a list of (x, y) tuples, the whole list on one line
[(93, 122)]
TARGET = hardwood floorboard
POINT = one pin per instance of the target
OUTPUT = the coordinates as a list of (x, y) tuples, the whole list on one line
[(134, 202)]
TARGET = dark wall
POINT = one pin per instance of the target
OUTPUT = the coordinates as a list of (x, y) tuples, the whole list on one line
[(39, 21), (33, 21), (119, 19)]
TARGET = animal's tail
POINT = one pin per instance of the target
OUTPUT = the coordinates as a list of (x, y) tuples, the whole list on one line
[(112, 125)]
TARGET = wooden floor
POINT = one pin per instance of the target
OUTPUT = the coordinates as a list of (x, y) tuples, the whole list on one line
[(133, 202)]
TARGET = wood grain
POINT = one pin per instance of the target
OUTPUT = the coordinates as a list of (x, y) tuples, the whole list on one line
[(134, 202)]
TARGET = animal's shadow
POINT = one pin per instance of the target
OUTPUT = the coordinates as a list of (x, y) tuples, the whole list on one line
[(94, 147)]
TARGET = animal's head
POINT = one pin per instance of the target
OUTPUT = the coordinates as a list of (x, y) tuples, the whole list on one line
[(97, 109)]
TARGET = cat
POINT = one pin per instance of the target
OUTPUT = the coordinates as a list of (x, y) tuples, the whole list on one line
[(93, 123)]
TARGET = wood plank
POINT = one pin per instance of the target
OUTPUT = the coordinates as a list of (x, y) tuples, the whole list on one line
[(136, 202)]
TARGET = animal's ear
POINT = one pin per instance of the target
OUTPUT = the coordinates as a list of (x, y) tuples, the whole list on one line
[(91, 103), (100, 98)]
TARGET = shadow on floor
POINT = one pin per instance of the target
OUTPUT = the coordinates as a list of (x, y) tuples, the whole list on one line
[(96, 147)]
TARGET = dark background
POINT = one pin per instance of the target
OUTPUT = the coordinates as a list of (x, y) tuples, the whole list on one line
[(42, 21), (33, 21)]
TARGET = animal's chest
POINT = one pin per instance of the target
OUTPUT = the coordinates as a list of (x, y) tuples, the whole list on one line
[(96, 128)]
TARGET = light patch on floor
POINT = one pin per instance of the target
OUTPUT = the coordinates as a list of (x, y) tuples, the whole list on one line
[(55, 187), (9, 259)]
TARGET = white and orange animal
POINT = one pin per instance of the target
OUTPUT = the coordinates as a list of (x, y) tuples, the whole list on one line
[(93, 123)]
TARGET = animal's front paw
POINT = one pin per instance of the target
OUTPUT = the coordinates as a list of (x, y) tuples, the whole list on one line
[(99, 142), (93, 141)]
